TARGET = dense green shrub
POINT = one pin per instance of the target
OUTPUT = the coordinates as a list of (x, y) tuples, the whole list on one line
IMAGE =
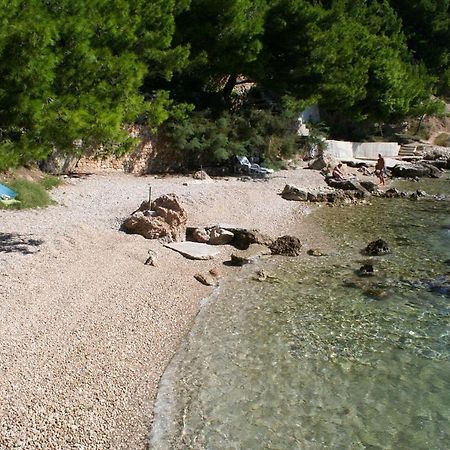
[(206, 140)]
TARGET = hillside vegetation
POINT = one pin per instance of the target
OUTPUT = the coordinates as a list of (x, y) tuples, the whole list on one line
[(74, 73)]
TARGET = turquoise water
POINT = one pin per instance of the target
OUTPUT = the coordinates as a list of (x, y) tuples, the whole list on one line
[(316, 357)]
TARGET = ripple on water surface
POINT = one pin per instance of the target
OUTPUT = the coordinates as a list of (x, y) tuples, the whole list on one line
[(320, 358)]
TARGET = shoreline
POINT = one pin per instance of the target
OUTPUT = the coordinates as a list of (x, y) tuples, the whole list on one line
[(86, 328)]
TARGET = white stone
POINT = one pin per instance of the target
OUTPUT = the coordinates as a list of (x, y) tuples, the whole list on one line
[(194, 250)]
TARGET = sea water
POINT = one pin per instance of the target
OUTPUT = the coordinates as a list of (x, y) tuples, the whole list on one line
[(317, 357)]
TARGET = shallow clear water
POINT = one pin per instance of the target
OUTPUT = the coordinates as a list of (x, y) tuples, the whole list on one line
[(318, 357)]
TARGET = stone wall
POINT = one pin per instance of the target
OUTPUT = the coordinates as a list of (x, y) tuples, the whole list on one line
[(150, 156), (346, 151)]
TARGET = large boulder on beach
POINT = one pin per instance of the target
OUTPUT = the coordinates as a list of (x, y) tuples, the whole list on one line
[(291, 192), (347, 185), (418, 170), (377, 248), (201, 175), (167, 219), (322, 162), (286, 246)]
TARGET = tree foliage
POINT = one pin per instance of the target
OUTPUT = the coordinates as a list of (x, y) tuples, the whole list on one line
[(350, 56), (71, 71), (74, 73), (426, 24)]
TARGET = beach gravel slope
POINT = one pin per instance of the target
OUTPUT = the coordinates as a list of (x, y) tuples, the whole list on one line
[(86, 328)]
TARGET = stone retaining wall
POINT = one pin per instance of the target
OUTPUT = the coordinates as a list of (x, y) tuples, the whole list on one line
[(346, 151)]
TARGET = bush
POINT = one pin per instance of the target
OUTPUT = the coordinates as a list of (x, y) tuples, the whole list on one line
[(31, 194), (50, 182), (207, 140)]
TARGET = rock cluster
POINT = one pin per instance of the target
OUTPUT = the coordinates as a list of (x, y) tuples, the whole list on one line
[(240, 238), (250, 244), (330, 195), (416, 195)]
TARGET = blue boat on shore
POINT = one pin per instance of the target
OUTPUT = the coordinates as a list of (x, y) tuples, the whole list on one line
[(6, 193)]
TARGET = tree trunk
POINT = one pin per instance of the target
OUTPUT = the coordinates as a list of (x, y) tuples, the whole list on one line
[(229, 85), (420, 124)]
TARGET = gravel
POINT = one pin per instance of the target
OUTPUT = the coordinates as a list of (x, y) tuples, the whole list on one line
[(86, 328)]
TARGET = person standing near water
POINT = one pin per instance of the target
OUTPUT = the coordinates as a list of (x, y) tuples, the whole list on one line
[(380, 167)]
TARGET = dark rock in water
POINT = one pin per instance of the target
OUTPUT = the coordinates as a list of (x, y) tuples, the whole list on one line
[(441, 163), (447, 261), (434, 172), (366, 270), (369, 185), (315, 252), (376, 293), (392, 193), (287, 246), (350, 283), (441, 285), (377, 248)]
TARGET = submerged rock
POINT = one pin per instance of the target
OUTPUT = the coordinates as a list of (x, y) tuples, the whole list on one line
[(377, 248), (441, 285), (315, 252), (250, 255), (366, 270), (376, 293)]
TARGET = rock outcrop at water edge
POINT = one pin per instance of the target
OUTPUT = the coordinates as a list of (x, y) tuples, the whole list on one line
[(418, 170)]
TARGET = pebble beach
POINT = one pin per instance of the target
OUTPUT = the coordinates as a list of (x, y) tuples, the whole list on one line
[(86, 328)]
